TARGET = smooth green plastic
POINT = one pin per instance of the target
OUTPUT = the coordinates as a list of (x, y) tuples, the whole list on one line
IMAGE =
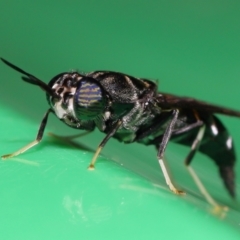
[(189, 47)]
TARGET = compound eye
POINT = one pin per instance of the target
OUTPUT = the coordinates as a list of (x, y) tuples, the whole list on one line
[(89, 99)]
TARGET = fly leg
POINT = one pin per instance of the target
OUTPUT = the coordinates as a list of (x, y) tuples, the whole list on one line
[(71, 140), (33, 143), (195, 145), (161, 151), (103, 143), (69, 137)]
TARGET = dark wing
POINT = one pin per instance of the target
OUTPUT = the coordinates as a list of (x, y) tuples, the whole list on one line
[(169, 101)]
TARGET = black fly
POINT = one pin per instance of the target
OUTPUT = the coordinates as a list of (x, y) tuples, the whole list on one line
[(132, 110)]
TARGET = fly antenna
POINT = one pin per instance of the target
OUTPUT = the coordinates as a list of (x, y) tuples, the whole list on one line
[(32, 79)]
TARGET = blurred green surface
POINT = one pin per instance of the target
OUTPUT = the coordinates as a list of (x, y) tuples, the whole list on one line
[(191, 47)]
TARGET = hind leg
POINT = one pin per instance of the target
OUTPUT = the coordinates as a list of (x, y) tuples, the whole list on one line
[(218, 145), (195, 145)]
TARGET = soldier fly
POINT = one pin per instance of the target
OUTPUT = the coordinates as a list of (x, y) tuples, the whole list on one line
[(132, 110)]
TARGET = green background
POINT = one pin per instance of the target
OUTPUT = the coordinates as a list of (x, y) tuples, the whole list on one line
[(191, 47)]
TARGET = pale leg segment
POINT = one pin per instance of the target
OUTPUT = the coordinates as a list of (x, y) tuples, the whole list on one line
[(168, 179), (162, 147), (33, 143), (218, 209), (103, 143)]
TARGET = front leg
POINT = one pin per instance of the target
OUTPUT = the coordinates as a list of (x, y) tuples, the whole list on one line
[(33, 143)]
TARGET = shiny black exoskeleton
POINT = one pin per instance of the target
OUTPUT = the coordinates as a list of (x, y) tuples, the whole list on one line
[(132, 110)]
